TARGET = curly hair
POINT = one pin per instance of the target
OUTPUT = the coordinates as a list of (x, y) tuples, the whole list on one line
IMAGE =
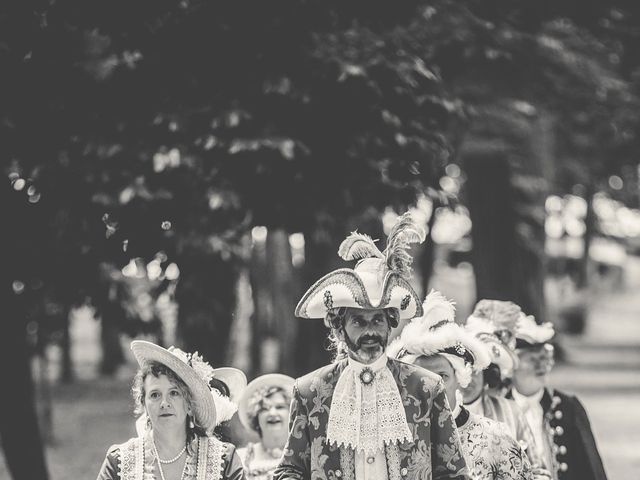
[(335, 320), (256, 404), (156, 369)]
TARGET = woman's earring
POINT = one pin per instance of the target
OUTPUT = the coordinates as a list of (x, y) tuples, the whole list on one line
[(191, 424)]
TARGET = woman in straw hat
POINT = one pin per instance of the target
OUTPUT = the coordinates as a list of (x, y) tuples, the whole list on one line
[(172, 389), (227, 385), (264, 409)]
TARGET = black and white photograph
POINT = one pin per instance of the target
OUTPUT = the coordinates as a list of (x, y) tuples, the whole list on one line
[(320, 239)]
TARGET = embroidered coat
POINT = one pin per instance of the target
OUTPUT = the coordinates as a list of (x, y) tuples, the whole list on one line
[(434, 453), (570, 442), (135, 460), (506, 411), (491, 452)]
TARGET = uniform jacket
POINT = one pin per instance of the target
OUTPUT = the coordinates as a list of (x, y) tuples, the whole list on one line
[(434, 453), (574, 451)]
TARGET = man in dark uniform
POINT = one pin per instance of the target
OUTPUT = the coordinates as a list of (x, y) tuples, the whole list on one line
[(563, 436)]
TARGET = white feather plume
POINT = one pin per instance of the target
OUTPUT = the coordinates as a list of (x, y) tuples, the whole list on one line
[(402, 235), (436, 331), (357, 246), (436, 307), (225, 408), (528, 330)]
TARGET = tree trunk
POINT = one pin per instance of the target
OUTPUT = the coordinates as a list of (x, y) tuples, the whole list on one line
[(240, 353), (67, 363), (490, 201), (281, 287), (19, 429), (206, 296), (507, 215), (112, 354), (582, 280)]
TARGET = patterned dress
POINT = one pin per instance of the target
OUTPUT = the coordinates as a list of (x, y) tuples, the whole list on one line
[(135, 460), (507, 411), (489, 449), (257, 469)]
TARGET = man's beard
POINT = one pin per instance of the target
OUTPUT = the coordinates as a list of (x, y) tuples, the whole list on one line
[(356, 347)]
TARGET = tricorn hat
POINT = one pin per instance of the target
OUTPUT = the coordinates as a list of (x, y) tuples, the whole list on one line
[(379, 279)]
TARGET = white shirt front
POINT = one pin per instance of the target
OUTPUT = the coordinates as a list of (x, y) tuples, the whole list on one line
[(371, 467), (534, 415)]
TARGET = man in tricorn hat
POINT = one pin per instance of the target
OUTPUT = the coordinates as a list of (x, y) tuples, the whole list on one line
[(366, 416)]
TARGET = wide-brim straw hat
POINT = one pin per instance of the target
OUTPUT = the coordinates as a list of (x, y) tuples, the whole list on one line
[(234, 379), (203, 406), (265, 381)]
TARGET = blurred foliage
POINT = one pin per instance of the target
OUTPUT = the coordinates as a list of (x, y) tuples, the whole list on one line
[(149, 126)]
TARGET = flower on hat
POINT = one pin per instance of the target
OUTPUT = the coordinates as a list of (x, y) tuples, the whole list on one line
[(195, 361)]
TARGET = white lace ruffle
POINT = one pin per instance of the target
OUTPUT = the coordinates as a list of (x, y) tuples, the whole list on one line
[(367, 417)]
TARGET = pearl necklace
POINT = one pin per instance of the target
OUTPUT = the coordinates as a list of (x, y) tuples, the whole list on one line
[(166, 462), (172, 460)]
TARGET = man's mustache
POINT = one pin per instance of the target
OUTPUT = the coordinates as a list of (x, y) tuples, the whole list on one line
[(366, 338)]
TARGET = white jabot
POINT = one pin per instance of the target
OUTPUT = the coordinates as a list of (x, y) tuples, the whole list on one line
[(366, 417), (534, 415)]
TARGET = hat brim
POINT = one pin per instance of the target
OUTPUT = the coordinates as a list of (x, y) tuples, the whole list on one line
[(345, 288), (269, 380), (204, 409), (505, 358), (234, 379)]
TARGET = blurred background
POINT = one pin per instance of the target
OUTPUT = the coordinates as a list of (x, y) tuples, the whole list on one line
[(181, 171)]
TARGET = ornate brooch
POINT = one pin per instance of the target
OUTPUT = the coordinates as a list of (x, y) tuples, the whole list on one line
[(367, 376)]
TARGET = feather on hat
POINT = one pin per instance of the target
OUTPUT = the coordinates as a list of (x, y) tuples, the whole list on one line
[(529, 333), (436, 332), (499, 352), (379, 279)]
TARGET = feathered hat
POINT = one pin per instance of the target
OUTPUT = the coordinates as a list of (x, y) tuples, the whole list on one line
[(436, 332), (379, 279), (503, 315), (500, 354), (494, 323), (530, 334)]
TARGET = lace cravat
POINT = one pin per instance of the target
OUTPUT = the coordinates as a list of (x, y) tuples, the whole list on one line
[(365, 417)]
